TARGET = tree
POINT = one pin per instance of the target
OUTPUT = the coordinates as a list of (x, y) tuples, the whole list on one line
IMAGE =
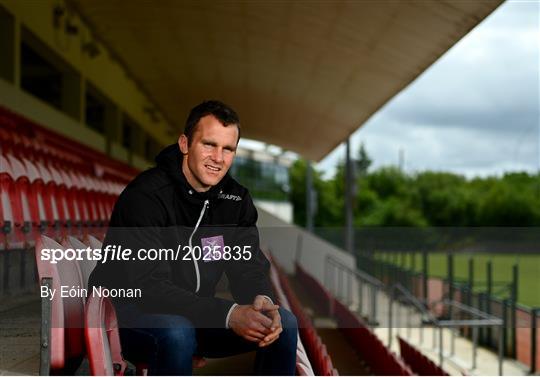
[(363, 162)]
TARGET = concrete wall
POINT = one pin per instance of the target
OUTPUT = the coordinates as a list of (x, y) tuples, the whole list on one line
[(289, 243), (282, 210)]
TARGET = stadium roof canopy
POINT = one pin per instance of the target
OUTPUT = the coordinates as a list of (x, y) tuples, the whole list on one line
[(303, 75)]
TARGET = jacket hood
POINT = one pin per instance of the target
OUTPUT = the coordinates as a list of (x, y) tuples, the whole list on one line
[(170, 160)]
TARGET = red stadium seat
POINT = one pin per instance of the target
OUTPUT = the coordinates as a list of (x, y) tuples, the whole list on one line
[(86, 266), (29, 210), (419, 363), (37, 200), (102, 338), (79, 191), (65, 349), (10, 207), (380, 359), (57, 188), (52, 211)]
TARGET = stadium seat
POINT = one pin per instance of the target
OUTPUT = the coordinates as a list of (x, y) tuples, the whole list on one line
[(37, 199), (86, 266), (64, 351), (52, 210), (102, 338), (380, 359), (57, 188), (11, 220), (419, 363), (315, 349), (94, 242), (29, 212)]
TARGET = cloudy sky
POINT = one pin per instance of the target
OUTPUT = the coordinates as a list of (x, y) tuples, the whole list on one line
[(474, 112)]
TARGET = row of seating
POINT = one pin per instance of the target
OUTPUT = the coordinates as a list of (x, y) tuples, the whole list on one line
[(316, 349), (379, 359), (35, 150), (303, 364), (419, 363), (74, 328), (52, 185), (24, 138), (38, 198)]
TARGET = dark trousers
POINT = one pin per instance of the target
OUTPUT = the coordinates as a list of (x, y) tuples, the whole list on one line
[(167, 343)]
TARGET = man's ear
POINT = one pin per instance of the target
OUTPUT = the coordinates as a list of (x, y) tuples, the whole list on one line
[(183, 144)]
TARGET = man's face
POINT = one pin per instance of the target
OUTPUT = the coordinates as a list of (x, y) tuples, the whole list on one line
[(211, 153)]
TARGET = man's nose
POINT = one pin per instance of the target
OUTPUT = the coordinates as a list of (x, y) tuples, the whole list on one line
[(217, 155)]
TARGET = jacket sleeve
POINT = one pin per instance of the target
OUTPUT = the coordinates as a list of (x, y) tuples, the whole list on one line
[(249, 277), (138, 221)]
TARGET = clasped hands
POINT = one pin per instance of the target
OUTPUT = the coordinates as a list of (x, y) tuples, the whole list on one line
[(259, 322)]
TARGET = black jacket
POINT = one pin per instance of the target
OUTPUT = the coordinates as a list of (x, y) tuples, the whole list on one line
[(159, 209)]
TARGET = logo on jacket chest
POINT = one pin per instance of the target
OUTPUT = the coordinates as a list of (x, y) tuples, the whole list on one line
[(236, 198), (212, 248)]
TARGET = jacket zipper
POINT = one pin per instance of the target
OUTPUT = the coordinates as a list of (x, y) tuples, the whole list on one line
[(197, 274)]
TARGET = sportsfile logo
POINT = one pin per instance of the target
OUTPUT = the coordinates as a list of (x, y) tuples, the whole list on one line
[(236, 198)]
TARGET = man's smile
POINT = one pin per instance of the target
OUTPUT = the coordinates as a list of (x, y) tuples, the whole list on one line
[(212, 168)]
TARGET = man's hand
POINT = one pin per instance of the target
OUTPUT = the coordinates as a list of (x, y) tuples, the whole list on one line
[(262, 304), (249, 323)]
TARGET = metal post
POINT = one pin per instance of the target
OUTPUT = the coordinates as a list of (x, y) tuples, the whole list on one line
[(441, 357), (413, 272), (409, 323), (349, 199), (534, 313), (452, 341), (340, 282), (349, 288), (330, 284), (373, 304), (500, 351), (360, 297), (398, 316), (514, 297), (471, 281), (489, 278), (434, 338), (470, 289), (504, 334), (425, 276), (390, 306), (45, 351), (450, 267), (482, 307), (326, 274), (475, 346)]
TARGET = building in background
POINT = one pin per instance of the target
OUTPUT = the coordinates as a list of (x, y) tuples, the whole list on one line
[(266, 174)]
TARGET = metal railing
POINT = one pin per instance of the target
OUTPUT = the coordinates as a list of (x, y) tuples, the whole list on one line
[(480, 319), (363, 293), (353, 287)]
